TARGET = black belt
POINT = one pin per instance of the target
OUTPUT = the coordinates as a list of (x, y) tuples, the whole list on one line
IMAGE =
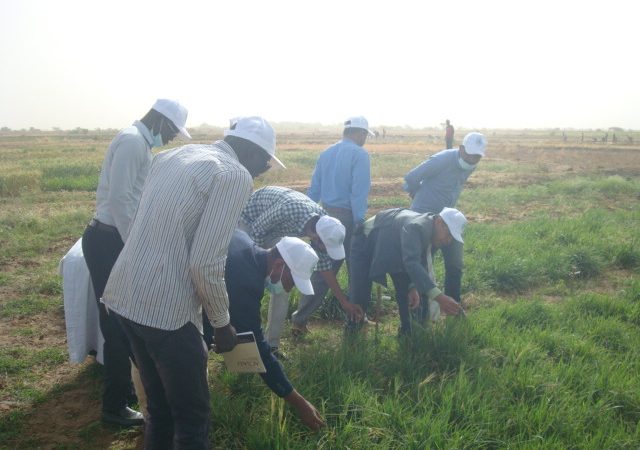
[(102, 227)]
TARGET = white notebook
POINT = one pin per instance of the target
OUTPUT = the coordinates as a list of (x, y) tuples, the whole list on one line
[(245, 356)]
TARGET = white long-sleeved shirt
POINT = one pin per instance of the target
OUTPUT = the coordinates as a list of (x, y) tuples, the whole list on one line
[(172, 265), (124, 170)]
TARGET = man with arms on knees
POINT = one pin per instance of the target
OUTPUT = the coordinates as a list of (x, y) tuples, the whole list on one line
[(399, 242), (340, 182), (273, 212), (437, 183), (248, 269), (123, 173), (172, 266)]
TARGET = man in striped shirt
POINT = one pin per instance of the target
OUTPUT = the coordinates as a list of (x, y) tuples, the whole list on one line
[(172, 266), (273, 212)]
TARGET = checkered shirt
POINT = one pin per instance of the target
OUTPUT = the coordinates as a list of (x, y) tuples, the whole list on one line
[(274, 212)]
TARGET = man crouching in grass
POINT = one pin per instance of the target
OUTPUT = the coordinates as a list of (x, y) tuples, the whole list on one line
[(400, 242), (249, 268)]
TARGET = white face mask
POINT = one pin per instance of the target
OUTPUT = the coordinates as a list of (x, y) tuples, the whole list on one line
[(465, 165), (274, 288), (157, 139)]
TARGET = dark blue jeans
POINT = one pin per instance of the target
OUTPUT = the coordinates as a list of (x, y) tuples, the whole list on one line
[(101, 249), (173, 369)]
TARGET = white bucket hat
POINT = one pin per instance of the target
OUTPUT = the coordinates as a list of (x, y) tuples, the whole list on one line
[(301, 260), (175, 112), (455, 221), (332, 233), (256, 130), (358, 122), (475, 143)]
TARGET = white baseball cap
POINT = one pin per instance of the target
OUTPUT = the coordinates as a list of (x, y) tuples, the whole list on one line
[(256, 130), (332, 233), (455, 221), (358, 122), (475, 143), (301, 260), (175, 112)]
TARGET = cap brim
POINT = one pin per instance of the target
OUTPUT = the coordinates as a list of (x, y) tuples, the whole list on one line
[(273, 157), (457, 237), (303, 284), (336, 253), (185, 133)]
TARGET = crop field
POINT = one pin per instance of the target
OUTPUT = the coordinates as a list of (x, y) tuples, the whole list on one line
[(548, 356)]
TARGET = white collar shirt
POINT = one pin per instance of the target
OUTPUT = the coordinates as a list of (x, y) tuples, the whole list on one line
[(124, 170)]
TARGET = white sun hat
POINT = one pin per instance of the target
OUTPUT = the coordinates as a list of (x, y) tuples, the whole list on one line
[(332, 233), (475, 143), (175, 112), (256, 130), (358, 122), (301, 260), (455, 221)]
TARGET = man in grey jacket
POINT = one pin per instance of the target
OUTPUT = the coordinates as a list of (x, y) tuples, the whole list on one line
[(399, 242)]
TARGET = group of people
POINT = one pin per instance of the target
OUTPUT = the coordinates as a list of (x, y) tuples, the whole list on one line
[(180, 252)]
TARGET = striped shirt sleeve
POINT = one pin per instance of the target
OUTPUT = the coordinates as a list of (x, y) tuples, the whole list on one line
[(228, 195)]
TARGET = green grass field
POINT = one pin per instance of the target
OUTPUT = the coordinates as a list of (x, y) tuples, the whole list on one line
[(548, 356)]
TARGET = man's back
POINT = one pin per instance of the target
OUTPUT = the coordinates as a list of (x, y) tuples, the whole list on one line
[(342, 178), (178, 241), (437, 182)]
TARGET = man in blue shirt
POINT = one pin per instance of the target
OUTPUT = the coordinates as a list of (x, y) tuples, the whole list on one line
[(436, 184), (249, 268), (340, 182)]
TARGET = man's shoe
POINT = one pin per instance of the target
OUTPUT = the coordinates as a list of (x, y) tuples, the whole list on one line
[(126, 417)]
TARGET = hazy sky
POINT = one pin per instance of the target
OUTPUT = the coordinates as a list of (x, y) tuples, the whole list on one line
[(510, 64)]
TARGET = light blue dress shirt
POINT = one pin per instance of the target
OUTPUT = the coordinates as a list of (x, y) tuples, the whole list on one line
[(342, 178), (437, 182)]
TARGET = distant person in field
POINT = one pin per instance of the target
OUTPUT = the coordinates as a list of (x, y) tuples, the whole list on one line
[(448, 135), (340, 183), (247, 270), (273, 212), (123, 174), (436, 184), (400, 242), (172, 267)]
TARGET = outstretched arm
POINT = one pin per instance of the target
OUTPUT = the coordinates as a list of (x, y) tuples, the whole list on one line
[(354, 312), (306, 411)]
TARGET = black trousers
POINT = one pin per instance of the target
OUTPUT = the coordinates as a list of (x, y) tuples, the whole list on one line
[(101, 248), (173, 369)]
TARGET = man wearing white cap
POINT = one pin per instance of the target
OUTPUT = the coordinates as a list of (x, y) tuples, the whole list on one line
[(399, 242), (172, 267), (123, 174), (248, 269), (437, 183), (340, 183), (273, 212)]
